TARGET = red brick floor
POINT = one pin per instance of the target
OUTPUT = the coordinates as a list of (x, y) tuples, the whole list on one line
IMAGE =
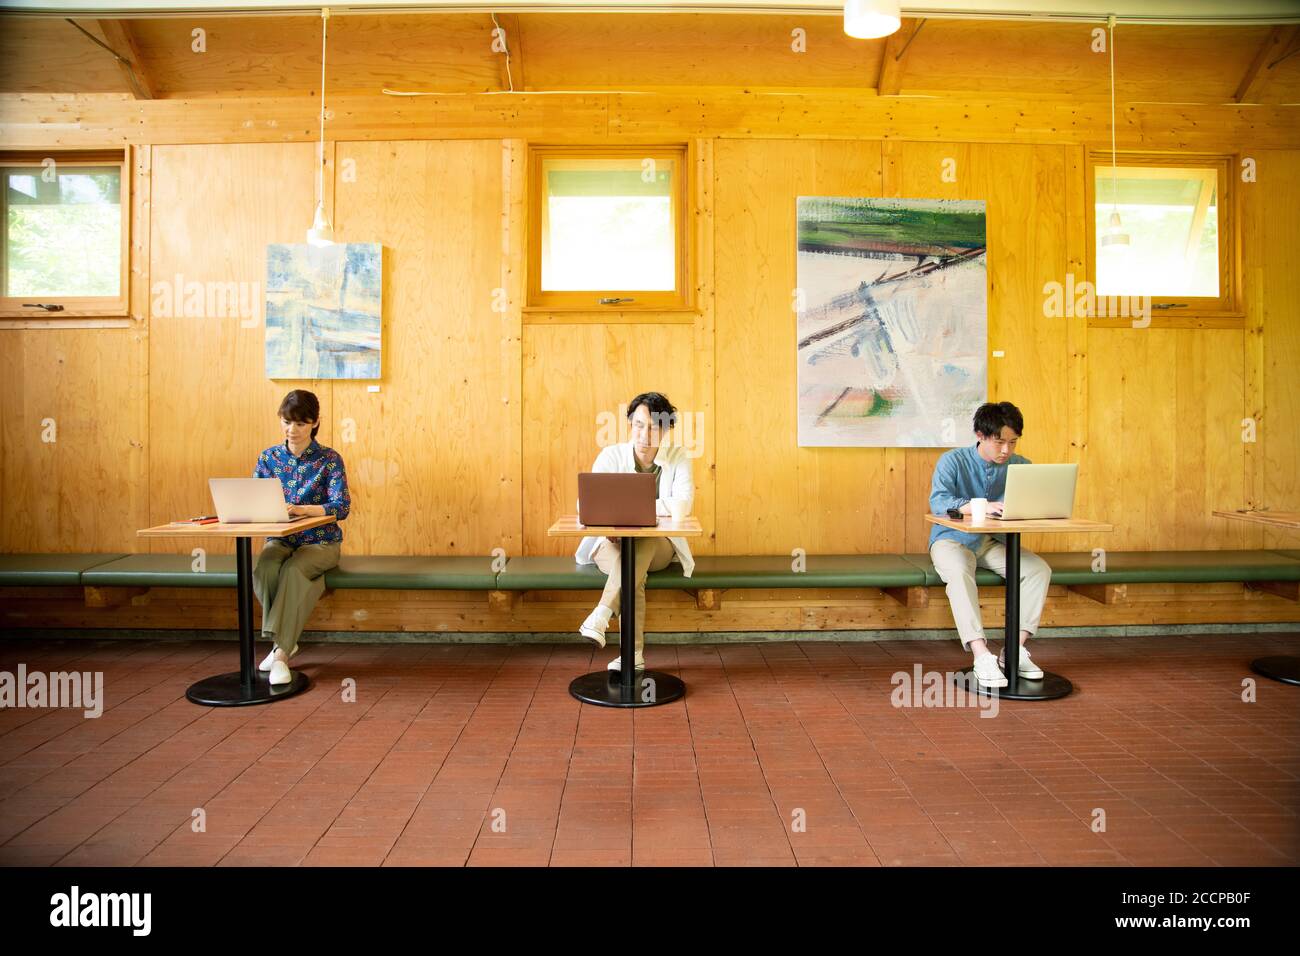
[(476, 754)]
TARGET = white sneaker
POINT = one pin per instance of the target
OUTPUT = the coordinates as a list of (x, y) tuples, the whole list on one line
[(269, 660), (617, 663), (988, 673), (280, 673), (594, 627), (1027, 667)]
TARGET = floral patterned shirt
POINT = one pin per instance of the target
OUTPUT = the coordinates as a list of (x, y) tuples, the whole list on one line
[(314, 478)]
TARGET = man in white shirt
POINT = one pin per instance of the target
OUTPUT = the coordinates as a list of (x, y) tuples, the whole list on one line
[(651, 416)]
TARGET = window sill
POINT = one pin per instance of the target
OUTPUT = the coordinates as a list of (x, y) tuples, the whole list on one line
[(1174, 320), (543, 315), (65, 321)]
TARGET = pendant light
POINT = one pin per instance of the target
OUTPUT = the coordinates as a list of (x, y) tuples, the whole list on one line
[(321, 232), (871, 19), (1115, 235)]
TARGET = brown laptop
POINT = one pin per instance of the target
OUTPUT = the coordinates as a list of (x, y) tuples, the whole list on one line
[(623, 499)]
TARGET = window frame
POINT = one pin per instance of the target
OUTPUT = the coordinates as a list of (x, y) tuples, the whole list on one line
[(681, 299), (1202, 311), (74, 307)]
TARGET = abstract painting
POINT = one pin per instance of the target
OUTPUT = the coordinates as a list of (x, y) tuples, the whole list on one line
[(324, 308), (892, 332)]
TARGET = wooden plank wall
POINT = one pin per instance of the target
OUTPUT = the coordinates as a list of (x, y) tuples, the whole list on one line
[(484, 417), (1272, 338)]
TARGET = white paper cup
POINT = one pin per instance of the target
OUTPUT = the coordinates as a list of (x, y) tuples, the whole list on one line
[(677, 508), (979, 510)]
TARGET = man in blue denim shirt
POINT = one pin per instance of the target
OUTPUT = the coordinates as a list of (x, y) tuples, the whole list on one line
[(980, 471)]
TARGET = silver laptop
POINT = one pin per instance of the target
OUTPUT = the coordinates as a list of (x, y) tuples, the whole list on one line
[(1039, 491), (250, 500)]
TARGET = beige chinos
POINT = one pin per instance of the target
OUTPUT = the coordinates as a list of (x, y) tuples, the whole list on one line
[(288, 582), (652, 554), (956, 564)]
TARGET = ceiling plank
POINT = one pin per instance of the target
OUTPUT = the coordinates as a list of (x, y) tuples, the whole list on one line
[(250, 56), (894, 60), (1262, 67), (117, 33), (1190, 12)]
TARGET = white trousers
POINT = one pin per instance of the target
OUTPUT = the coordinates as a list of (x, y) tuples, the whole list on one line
[(956, 565)]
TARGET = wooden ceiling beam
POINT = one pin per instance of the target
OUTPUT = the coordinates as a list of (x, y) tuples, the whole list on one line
[(49, 120), (1274, 48), (117, 34), (894, 59)]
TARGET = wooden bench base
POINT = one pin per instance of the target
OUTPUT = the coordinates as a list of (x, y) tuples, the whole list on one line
[(115, 596), (910, 597), (1102, 593), (1283, 589)]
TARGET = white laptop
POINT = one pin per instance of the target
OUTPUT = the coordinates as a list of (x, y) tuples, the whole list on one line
[(250, 500), (1039, 491)]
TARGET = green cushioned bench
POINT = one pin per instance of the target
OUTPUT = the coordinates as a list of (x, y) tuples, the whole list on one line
[(983, 576), (902, 575), (400, 572), (412, 572), (111, 578), (419, 572), (899, 578), (551, 574), (162, 571), (775, 571), (1174, 567), (741, 571), (48, 570), (1149, 567)]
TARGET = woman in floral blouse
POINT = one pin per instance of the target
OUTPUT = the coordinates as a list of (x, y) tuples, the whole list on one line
[(289, 577)]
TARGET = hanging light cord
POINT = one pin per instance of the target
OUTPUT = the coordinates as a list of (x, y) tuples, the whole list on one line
[(505, 42), (320, 172), (1114, 186)]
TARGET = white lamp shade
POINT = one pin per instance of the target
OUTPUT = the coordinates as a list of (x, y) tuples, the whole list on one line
[(1115, 235), (871, 19), (321, 232)]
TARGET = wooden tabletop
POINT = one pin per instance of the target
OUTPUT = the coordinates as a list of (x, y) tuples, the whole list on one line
[(665, 527), (235, 530), (1274, 519), (998, 526)]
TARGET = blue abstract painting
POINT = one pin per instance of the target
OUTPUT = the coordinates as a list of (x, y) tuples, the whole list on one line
[(324, 308), (892, 329)]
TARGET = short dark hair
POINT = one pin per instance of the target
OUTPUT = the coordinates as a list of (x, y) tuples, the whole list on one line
[(661, 410), (301, 405), (992, 416)]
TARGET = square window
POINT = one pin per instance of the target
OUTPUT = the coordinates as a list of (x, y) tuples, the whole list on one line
[(1162, 227), (607, 229), (65, 236)]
